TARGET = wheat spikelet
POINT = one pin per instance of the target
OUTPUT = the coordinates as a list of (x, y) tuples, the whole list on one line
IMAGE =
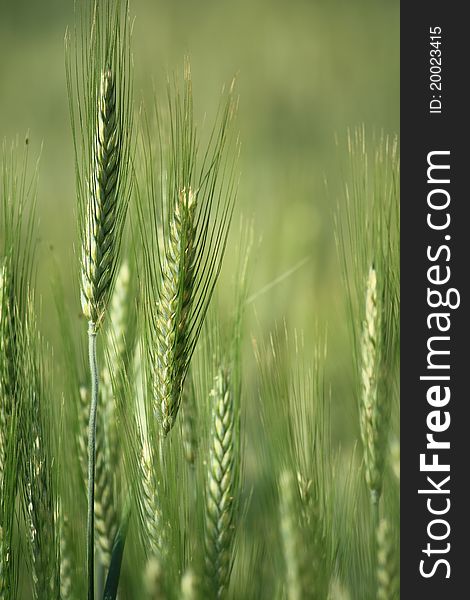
[(220, 488), (291, 537), (101, 241), (372, 409), (387, 571), (170, 355)]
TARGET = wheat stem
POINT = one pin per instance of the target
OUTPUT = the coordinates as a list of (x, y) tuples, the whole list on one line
[(92, 456)]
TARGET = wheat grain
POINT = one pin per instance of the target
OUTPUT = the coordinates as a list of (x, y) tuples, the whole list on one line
[(221, 487)]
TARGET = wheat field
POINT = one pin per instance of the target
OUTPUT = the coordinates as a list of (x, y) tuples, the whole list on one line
[(199, 301)]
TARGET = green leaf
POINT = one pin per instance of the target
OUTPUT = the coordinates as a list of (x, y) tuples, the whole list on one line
[(112, 580)]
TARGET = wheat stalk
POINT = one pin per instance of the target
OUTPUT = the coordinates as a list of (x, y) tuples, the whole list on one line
[(99, 82), (221, 487)]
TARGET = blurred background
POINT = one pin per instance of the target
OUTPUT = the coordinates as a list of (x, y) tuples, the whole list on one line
[(307, 70)]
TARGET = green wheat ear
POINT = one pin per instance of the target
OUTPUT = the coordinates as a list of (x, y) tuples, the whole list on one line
[(38, 450), (221, 487), (388, 584), (17, 204), (99, 87), (372, 428), (101, 236), (184, 226), (170, 354), (368, 239)]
